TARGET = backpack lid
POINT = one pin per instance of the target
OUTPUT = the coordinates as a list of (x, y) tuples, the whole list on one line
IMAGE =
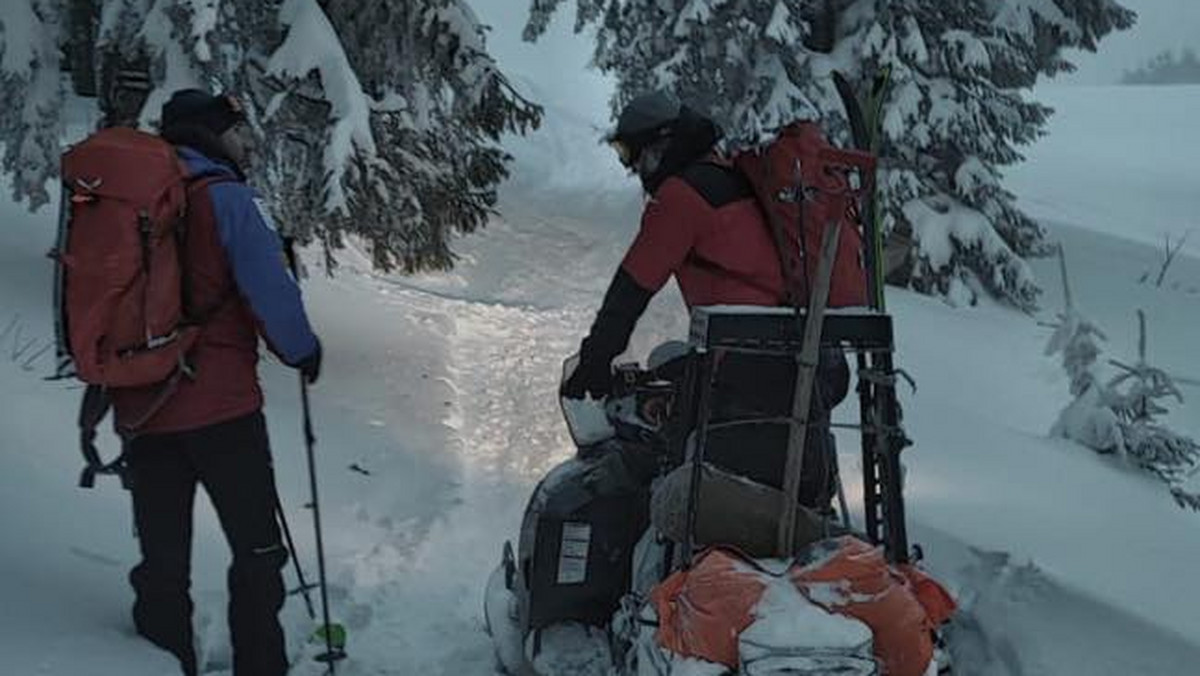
[(122, 163)]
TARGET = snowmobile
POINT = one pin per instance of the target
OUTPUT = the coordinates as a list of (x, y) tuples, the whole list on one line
[(649, 552)]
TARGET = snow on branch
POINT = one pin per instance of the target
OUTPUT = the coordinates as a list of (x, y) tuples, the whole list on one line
[(311, 46), (376, 118), (20, 28), (29, 82)]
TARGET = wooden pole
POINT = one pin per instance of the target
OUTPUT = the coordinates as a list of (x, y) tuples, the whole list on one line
[(802, 399)]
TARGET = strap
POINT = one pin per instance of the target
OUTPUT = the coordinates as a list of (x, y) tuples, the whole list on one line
[(192, 317), (719, 184), (92, 409), (791, 264)]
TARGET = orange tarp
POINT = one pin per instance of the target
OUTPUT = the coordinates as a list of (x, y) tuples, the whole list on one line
[(857, 582), (702, 611)]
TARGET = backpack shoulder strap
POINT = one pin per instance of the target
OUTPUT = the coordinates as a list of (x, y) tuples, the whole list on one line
[(791, 264), (196, 316), (719, 184)]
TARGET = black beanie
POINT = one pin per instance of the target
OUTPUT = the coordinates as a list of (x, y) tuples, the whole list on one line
[(193, 107)]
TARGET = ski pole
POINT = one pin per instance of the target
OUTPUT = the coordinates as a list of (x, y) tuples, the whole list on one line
[(799, 423), (330, 633), (304, 587), (332, 653)]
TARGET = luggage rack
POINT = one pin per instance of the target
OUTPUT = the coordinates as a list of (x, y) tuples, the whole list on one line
[(720, 330)]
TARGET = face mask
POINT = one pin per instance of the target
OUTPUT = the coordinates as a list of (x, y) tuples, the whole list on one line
[(650, 161)]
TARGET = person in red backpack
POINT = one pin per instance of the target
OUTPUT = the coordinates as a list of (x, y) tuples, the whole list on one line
[(703, 226), (211, 431)]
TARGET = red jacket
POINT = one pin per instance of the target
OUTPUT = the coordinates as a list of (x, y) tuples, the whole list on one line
[(713, 239)]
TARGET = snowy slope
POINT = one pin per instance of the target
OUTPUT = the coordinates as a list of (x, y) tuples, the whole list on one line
[(441, 389)]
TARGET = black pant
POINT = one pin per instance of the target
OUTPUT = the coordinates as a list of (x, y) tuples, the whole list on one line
[(232, 461)]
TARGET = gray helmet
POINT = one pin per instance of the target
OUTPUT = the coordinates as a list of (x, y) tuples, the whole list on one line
[(645, 118)]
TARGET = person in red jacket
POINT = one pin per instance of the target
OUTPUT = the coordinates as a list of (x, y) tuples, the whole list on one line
[(210, 430), (702, 226)]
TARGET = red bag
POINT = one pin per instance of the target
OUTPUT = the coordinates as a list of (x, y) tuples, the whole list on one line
[(802, 159), (120, 284)]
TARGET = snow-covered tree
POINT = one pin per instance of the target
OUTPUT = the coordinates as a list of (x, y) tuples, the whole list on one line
[(1138, 396), (376, 119), (1165, 69), (953, 116)]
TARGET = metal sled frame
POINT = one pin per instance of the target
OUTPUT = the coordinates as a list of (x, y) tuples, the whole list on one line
[(778, 332)]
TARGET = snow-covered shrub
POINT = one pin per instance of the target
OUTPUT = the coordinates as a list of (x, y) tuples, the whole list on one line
[(954, 115), (376, 118), (1089, 419), (1120, 415), (1138, 396)]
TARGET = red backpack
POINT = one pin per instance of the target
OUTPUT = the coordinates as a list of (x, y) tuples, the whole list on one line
[(121, 294), (120, 289), (834, 181)]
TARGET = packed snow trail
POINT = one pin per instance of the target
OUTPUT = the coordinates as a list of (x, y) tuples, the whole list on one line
[(413, 601), (505, 325)]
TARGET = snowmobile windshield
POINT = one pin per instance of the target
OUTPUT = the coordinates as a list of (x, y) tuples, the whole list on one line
[(587, 419)]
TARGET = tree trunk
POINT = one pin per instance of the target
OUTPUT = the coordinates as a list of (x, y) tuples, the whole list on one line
[(124, 85), (824, 28), (82, 18)]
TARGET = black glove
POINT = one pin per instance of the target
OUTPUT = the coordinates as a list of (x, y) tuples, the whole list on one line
[(310, 366), (624, 302), (590, 377)]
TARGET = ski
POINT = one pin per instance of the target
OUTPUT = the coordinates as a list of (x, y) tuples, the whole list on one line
[(883, 438), (873, 213), (863, 118)]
